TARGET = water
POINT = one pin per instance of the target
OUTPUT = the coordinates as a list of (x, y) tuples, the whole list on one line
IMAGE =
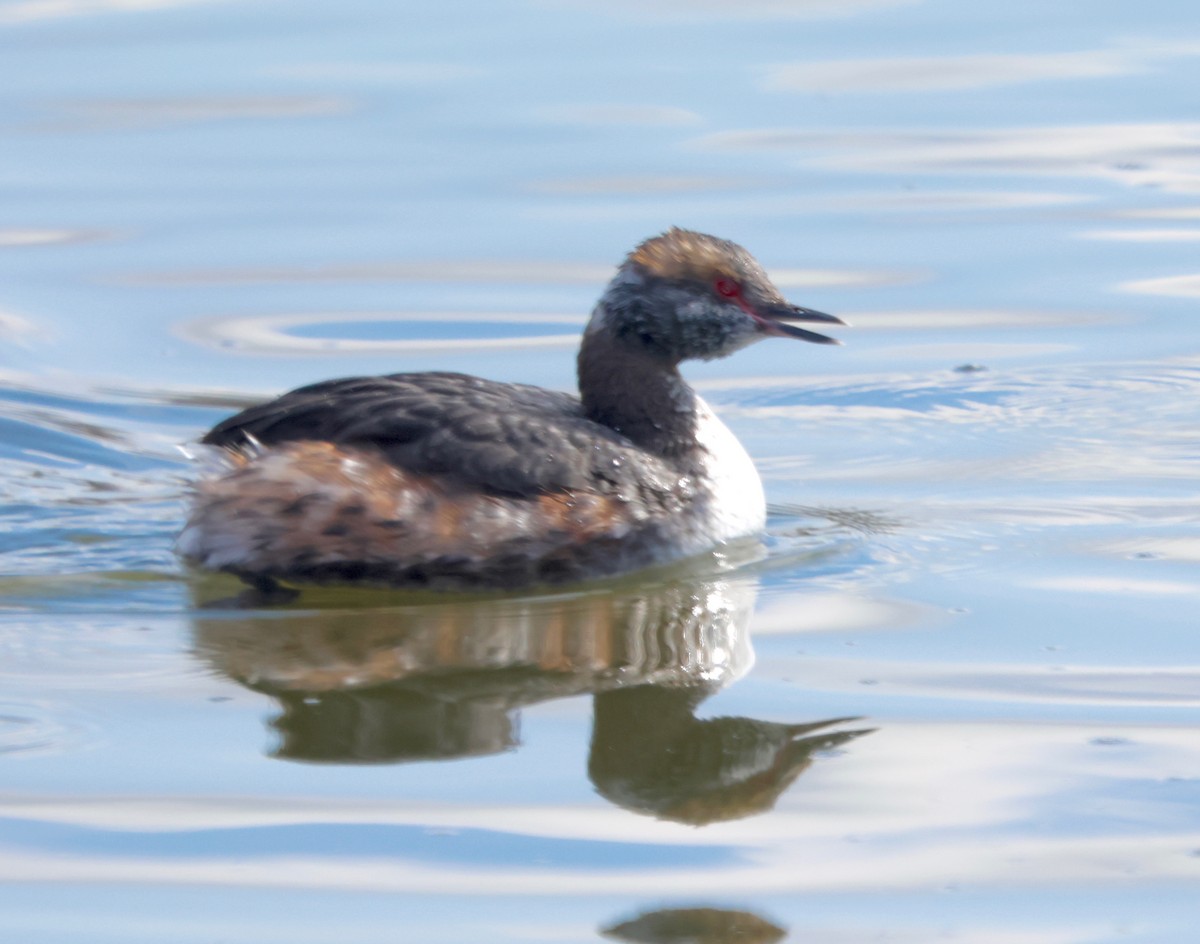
[(953, 695)]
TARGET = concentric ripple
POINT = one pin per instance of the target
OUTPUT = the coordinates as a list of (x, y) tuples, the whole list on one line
[(36, 728)]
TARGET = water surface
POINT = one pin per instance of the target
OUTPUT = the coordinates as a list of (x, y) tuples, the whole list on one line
[(952, 695)]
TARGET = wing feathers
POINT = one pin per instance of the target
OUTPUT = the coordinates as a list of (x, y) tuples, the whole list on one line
[(509, 439)]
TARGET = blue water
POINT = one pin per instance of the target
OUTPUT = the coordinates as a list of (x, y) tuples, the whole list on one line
[(951, 696)]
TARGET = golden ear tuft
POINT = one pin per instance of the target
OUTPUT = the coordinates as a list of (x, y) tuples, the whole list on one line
[(681, 254)]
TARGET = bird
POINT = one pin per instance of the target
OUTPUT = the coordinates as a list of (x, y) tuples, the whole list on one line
[(444, 481)]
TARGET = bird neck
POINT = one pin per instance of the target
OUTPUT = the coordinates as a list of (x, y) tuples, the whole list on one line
[(639, 394)]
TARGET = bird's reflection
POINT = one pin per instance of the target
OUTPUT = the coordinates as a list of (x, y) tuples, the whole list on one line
[(696, 926), (446, 679), (682, 768)]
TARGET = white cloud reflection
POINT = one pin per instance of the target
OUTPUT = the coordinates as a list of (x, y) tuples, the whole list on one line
[(481, 271), (640, 185), (1114, 686), (122, 114), (1176, 286), (28, 11), (21, 238), (744, 10), (271, 334), (944, 201), (1159, 546), (1143, 235), (1164, 213), (466, 270), (965, 319), (906, 810), (839, 612), (1151, 154), (1120, 586), (655, 116), (17, 328), (959, 73), (816, 866), (392, 74)]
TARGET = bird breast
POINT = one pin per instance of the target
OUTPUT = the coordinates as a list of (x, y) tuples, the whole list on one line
[(735, 505)]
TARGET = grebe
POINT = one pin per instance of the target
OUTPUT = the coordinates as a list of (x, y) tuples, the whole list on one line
[(444, 481)]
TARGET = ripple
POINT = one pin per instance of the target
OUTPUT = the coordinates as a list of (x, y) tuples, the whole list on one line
[(124, 650), (1061, 458), (37, 441), (91, 485), (1155, 405), (47, 427), (37, 729)]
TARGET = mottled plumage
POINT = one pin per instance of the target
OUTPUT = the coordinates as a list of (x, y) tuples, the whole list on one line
[(444, 480)]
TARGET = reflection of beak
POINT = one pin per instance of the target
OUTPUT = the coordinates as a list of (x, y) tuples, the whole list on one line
[(772, 320)]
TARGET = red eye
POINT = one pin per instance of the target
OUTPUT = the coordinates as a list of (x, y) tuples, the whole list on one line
[(727, 288)]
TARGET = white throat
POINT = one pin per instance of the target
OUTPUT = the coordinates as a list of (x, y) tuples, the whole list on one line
[(735, 506)]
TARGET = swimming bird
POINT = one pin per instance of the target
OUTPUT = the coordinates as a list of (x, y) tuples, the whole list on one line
[(447, 481)]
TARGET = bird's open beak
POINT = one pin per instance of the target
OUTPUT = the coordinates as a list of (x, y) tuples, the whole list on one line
[(773, 320)]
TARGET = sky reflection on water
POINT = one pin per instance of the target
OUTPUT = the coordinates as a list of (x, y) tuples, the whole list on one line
[(979, 583)]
